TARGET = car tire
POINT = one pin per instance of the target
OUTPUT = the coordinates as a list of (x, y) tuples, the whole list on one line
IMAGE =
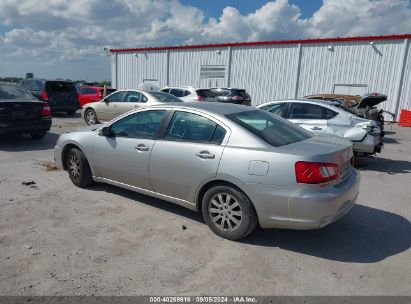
[(78, 168), (90, 117), (38, 135), (229, 212), (71, 113)]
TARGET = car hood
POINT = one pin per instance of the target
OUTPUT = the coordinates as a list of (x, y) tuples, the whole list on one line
[(89, 128), (371, 100)]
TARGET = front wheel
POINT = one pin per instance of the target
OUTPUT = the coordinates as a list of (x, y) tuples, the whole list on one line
[(78, 168), (229, 212), (90, 117)]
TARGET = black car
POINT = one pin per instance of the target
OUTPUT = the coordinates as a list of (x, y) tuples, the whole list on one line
[(61, 95), (230, 95), (21, 112)]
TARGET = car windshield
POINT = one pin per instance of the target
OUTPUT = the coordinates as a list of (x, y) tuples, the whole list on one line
[(8, 91), (273, 129), (165, 97)]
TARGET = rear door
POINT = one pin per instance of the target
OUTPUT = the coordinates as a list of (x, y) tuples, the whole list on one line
[(124, 156), (186, 155), (308, 116)]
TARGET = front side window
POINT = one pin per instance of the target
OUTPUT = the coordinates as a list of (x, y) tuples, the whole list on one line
[(273, 129), (133, 97), (139, 125), (279, 109), (115, 97), (305, 111), (191, 127)]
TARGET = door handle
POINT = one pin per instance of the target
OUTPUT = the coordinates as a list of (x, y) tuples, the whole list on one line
[(205, 155), (316, 128), (142, 147)]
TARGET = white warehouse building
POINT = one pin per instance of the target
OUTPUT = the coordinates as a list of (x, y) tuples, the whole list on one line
[(271, 70)]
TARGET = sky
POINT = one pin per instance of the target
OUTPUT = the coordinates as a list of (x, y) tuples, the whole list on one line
[(66, 38)]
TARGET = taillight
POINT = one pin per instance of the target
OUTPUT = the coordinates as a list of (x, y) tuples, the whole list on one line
[(315, 173), (238, 98), (200, 98), (44, 95), (45, 111)]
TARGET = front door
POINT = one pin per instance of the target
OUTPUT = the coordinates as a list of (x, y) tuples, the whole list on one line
[(188, 155), (124, 155), (107, 109)]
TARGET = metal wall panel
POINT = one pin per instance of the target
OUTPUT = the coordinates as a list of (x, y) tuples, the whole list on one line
[(185, 64), (266, 72), (360, 62), (405, 98), (133, 68)]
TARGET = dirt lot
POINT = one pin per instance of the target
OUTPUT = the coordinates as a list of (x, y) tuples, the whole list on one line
[(56, 239)]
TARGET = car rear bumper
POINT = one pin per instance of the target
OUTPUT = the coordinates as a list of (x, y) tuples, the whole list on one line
[(370, 144), (24, 126), (308, 207)]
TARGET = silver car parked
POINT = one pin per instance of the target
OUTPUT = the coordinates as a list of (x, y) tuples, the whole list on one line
[(239, 166), (323, 117)]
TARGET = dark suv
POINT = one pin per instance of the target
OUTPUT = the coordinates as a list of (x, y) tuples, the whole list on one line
[(229, 95), (61, 95)]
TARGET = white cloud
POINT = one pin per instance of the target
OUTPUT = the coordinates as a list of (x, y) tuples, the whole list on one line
[(70, 32)]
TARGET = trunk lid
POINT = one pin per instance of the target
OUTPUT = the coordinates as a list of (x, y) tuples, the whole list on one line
[(20, 109), (325, 149), (371, 100)]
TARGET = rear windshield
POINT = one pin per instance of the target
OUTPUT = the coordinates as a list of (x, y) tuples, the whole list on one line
[(14, 92), (205, 93), (59, 87), (165, 97), (273, 129)]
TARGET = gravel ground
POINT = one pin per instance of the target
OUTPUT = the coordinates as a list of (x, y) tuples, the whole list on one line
[(56, 239)]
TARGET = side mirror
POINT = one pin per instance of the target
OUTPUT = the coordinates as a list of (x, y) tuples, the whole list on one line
[(105, 100), (105, 131)]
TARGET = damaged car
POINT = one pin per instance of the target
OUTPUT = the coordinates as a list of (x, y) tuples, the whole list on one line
[(322, 117), (363, 106)]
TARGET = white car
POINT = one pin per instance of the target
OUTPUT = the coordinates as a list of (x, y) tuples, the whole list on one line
[(321, 117), (187, 93)]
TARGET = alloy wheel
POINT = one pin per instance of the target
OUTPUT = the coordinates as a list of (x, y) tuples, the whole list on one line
[(91, 117), (225, 212), (74, 166)]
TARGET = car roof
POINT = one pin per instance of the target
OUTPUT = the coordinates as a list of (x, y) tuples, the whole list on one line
[(215, 107)]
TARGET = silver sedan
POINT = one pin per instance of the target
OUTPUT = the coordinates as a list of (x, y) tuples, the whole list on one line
[(239, 166)]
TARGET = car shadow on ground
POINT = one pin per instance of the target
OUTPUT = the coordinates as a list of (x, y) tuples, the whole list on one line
[(19, 143), (364, 235), (64, 115), (383, 165)]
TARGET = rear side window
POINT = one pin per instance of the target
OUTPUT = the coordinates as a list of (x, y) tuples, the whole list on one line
[(328, 114), (191, 127), (305, 111), (205, 93), (60, 87), (133, 97), (273, 129)]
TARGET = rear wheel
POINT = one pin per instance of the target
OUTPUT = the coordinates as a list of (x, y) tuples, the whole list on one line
[(38, 135), (228, 212), (78, 168), (90, 117), (71, 113)]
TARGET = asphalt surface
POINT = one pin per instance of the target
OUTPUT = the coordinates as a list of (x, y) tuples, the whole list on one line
[(56, 239)]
